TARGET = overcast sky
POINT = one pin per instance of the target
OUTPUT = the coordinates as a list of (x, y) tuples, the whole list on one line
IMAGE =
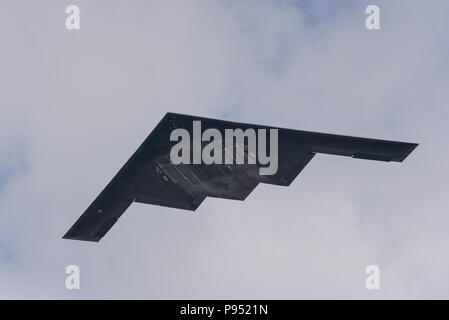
[(76, 104)]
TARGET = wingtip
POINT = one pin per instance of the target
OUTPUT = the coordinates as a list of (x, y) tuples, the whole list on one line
[(411, 147)]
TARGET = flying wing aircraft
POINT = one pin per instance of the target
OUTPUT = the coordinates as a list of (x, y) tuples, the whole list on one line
[(150, 176)]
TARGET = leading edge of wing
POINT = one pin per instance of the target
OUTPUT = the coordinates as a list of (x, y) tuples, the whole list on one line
[(356, 147)]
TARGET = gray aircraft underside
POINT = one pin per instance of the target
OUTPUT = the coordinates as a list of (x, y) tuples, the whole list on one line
[(150, 177)]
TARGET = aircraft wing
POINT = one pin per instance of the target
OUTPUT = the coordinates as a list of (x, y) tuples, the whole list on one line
[(150, 177)]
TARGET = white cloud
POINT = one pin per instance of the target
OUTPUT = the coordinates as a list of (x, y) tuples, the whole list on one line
[(77, 104)]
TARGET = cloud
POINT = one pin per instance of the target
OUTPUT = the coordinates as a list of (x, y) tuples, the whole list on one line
[(77, 104)]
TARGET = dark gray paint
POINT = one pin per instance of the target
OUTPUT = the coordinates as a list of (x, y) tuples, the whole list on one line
[(149, 176)]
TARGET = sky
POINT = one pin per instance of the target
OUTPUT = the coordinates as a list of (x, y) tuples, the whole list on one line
[(76, 104)]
